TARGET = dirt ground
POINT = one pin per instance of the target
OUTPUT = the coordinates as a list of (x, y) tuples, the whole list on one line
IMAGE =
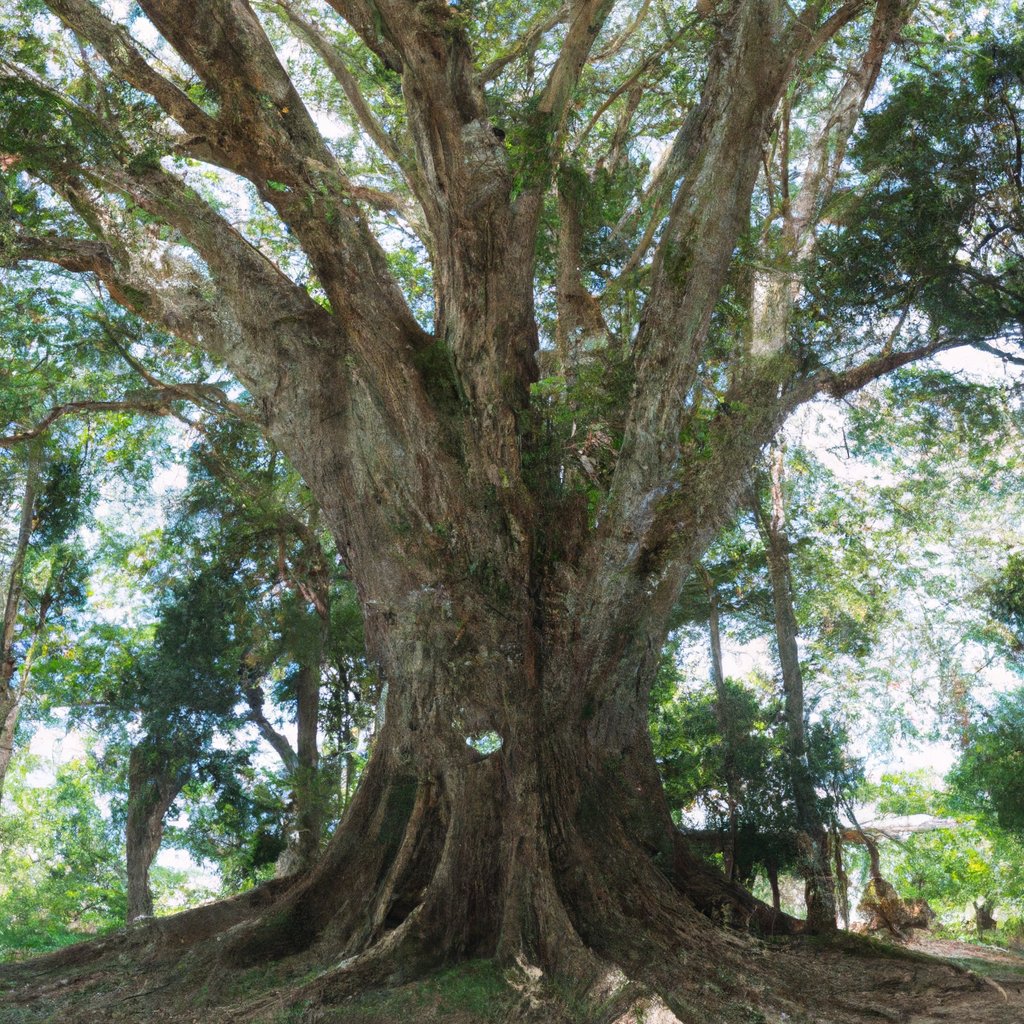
[(852, 981), (1001, 1001)]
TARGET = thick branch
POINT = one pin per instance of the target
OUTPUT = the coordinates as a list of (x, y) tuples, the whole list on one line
[(126, 60), (264, 132), (586, 19), (838, 384)]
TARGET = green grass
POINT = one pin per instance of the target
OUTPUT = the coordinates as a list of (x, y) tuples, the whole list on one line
[(475, 989)]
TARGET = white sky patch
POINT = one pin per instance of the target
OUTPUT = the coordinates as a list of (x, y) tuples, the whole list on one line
[(53, 746)]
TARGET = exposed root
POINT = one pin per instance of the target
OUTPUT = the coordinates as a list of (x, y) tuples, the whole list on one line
[(995, 984)]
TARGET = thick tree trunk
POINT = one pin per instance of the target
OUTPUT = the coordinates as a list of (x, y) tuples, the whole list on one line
[(553, 848), (812, 839), (153, 785)]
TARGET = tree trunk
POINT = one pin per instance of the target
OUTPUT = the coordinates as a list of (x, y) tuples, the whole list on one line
[(773, 881), (544, 849), (11, 692), (725, 726), (309, 796), (8, 729), (812, 839), (152, 786)]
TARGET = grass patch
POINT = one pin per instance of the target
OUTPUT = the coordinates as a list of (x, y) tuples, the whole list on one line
[(990, 968), (474, 990)]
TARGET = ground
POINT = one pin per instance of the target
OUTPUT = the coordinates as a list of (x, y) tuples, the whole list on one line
[(133, 977)]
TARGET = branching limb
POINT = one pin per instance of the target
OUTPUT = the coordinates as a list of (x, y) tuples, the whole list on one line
[(199, 393), (263, 132), (623, 37), (586, 19), (335, 62), (149, 404), (178, 308), (365, 20), (1007, 357), (253, 694), (127, 61), (817, 35), (838, 384), (828, 149), (525, 45)]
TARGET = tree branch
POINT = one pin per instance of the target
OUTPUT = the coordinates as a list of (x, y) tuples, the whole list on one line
[(526, 44), (156, 404), (838, 384), (254, 698), (263, 132), (332, 57), (121, 52), (586, 19)]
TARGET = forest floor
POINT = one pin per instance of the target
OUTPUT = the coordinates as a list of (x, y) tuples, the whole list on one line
[(791, 981)]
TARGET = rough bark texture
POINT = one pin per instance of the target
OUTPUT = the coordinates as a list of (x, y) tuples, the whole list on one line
[(494, 601), (153, 784)]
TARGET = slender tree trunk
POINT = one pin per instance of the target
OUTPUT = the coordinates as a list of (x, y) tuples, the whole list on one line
[(842, 884), (773, 881), (309, 810), (11, 693), (725, 725), (8, 729), (812, 840), (152, 787), (301, 762)]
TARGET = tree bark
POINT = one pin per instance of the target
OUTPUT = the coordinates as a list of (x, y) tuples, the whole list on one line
[(153, 784), (812, 840), (12, 692)]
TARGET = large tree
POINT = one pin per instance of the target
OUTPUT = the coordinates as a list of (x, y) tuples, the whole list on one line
[(389, 219)]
